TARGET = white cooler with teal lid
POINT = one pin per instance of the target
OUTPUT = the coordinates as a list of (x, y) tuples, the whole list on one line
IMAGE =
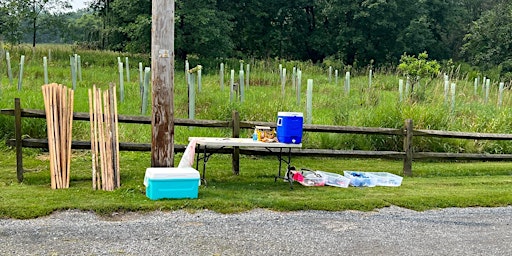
[(168, 182)]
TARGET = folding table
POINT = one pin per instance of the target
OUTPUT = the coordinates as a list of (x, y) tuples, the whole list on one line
[(218, 142)]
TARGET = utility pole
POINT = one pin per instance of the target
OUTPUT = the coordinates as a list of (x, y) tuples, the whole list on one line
[(162, 67)]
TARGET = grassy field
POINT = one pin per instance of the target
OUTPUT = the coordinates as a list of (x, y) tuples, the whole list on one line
[(375, 106), (434, 184)]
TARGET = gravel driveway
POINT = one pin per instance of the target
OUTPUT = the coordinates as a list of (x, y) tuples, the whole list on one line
[(389, 231)]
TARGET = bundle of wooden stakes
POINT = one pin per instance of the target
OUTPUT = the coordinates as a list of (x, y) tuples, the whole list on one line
[(58, 104), (104, 139)]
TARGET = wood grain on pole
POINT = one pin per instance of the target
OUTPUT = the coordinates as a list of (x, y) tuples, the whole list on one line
[(162, 66)]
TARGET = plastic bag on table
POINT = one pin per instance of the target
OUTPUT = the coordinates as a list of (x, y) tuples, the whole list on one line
[(187, 160)]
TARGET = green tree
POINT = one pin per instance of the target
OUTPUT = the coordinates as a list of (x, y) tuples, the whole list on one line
[(252, 29), (129, 26), (51, 29), (417, 36), (11, 20), (33, 9), (417, 68), (489, 40), (202, 29), (349, 31), (103, 10), (84, 28), (22, 15), (375, 30)]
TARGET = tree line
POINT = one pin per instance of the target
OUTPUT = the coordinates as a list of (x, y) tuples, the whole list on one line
[(354, 32)]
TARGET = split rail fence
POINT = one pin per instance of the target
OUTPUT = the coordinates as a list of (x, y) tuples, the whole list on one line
[(407, 133)]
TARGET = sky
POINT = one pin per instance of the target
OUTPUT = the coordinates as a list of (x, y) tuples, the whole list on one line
[(78, 4)]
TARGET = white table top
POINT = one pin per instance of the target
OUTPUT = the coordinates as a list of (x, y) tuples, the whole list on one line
[(241, 142)]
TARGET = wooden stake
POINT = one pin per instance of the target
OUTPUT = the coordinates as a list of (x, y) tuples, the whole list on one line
[(56, 128), (96, 140), (93, 147), (104, 138), (116, 127), (63, 130), (111, 132), (108, 145), (54, 152), (101, 137), (71, 98), (110, 140), (46, 96)]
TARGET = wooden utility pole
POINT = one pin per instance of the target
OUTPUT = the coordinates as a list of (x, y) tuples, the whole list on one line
[(162, 66)]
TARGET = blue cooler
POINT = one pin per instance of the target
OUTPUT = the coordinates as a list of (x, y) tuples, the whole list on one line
[(168, 182), (289, 127)]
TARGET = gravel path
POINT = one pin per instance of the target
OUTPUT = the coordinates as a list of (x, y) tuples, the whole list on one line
[(389, 231)]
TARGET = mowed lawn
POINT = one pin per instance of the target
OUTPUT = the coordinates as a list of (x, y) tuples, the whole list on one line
[(433, 185)]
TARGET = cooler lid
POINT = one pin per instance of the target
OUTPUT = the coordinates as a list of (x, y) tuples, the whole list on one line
[(289, 114), (160, 173)]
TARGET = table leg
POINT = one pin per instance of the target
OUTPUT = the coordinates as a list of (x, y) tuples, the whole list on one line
[(198, 154), (288, 168), (280, 158), (205, 159), (288, 175)]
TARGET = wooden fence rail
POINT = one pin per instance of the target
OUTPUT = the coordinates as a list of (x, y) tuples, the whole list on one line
[(407, 133)]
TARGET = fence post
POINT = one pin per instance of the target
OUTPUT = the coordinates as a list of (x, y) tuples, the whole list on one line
[(236, 150), (408, 148), (17, 131)]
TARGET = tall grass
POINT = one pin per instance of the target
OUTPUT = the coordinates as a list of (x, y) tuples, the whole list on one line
[(376, 106)]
